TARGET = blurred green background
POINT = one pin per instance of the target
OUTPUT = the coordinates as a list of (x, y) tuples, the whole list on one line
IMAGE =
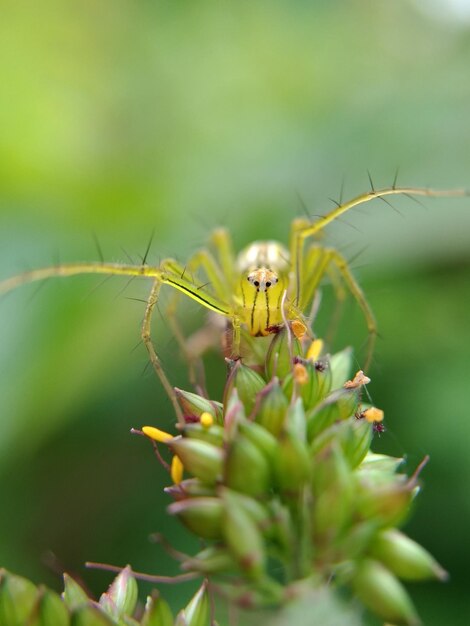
[(120, 117)]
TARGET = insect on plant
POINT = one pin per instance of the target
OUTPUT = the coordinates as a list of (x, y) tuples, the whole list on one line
[(258, 291)]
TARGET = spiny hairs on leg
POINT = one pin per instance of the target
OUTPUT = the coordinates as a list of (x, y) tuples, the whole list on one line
[(164, 274), (74, 269), (301, 232), (379, 193)]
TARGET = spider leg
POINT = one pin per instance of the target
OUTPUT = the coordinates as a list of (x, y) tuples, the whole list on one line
[(313, 268), (196, 345), (302, 230), (154, 359), (320, 262), (222, 243), (315, 265), (195, 366), (74, 269), (172, 273), (323, 221), (339, 263), (340, 295), (163, 274), (220, 272)]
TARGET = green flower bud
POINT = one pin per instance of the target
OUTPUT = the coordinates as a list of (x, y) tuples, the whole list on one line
[(387, 503), (260, 437), (211, 560), (381, 592), (193, 406), (234, 413), (197, 612), (333, 489), (121, 597), (355, 437), (341, 366), (214, 434), (282, 528), (357, 540), (279, 358), (91, 616), (339, 405), (243, 539), (246, 467), (18, 596), (292, 467), (272, 408), (51, 610), (190, 488), (405, 558), (267, 593), (247, 382), (296, 422), (258, 512), (73, 595), (381, 463), (157, 611), (200, 458), (203, 516), (316, 387)]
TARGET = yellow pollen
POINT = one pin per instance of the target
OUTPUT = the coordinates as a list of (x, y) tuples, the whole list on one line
[(300, 373), (298, 328), (315, 349), (156, 434), (206, 419), (176, 470), (359, 379), (373, 414)]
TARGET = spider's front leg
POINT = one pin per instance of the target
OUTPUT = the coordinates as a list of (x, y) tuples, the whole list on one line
[(338, 262), (176, 276), (306, 274), (311, 267), (154, 359), (194, 347)]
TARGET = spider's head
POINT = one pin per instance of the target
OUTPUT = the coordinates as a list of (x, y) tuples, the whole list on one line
[(262, 279)]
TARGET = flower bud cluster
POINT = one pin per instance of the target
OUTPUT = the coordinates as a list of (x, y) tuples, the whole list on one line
[(24, 604), (280, 483)]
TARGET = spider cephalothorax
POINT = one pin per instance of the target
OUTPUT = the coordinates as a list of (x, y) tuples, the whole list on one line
[(262, 278), (263, 268)]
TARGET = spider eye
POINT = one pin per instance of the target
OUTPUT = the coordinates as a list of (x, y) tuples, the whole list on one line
[(268, 284), (256, 283)]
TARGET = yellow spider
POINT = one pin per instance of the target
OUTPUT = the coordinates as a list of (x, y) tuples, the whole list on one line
[(264, 286)]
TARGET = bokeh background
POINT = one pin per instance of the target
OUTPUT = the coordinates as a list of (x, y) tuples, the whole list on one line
[(119, 118)]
